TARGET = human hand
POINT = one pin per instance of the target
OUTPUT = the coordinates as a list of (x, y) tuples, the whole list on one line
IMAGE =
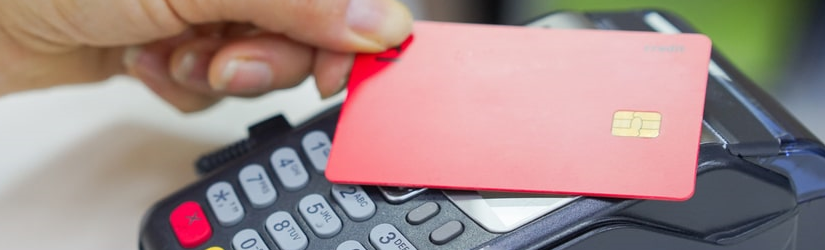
[(193, 52)]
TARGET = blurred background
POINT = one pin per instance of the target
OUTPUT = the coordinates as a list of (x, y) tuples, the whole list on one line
[(80, 165)]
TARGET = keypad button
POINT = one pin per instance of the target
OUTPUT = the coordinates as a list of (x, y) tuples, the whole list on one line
[(446, 232), (248, 239), (317, 145), (387, 237), (285, 231), (225, 203), (319, 215), (257, 186), (289, 169), (215, 248), (350, 245), (190, 225), (423, 213), (355, 202)]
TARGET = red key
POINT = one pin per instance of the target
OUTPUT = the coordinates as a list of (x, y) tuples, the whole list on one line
[(190, 224)]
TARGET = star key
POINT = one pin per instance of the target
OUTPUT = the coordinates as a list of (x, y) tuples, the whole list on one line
[(225, 204), (221, 196)]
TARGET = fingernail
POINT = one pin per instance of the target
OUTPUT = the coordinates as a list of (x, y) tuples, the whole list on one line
[(244, 76), (378, 24), (130, 57), (184, 69)]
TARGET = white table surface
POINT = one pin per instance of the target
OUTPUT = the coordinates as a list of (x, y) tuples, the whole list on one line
[(80, 165)]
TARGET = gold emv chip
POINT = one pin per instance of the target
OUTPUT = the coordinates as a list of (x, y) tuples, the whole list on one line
[(636, 124)]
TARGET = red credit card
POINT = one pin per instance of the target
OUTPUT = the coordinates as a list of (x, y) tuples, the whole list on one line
[(516, 109)]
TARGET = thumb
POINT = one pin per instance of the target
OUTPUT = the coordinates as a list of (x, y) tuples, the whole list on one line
[(354, 25)]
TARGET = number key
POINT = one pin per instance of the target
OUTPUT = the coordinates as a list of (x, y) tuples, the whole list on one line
[(387, 237), (289, 169), (319, 215), (355, 202), (257, 186), (317, 146), (285, 231), (350, 245), (248, 239)]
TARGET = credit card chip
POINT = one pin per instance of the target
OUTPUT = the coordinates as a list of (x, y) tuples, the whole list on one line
[(636, 124)]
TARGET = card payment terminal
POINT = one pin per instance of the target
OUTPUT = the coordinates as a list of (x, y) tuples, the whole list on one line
[(760, 185)]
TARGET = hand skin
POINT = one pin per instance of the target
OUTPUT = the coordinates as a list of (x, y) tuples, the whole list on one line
[(193, 52)]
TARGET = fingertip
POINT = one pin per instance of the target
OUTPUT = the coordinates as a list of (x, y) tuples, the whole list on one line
[(130, 57), (151, 67), (327, 92), (189, 63), (331, 71), (376, 25), (180, 98), (255, 65), (244, 75)]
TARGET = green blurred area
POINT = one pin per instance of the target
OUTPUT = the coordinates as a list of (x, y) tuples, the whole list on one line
[(755, 35)]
